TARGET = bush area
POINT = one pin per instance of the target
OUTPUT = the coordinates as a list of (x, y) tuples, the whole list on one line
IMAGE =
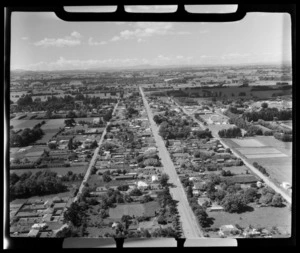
[(27, 136), (261, 168), (268, 114), (54, 103), (232, 132), (41, 183)]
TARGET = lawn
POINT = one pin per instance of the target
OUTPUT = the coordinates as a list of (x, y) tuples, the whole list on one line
[(237, 169), (54, 124), (49, 133), (261, 217), (147, 209), (22, 124)]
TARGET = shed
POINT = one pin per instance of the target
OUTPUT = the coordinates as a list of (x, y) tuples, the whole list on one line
[(33, 233)]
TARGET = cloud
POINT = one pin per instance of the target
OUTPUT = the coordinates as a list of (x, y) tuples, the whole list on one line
[(91, 42), (142, 30), (67, 41), (76, 35), (115, 38), (24, 38)]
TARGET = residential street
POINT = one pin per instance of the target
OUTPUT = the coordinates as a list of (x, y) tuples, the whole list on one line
[(250, 166), (190, 226), (94, 159)]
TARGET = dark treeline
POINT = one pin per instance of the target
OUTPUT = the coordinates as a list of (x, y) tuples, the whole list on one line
[(268, 114), (54, 103), (41, 183), (27, 136)]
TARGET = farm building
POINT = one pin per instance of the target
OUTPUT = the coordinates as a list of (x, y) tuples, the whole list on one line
[(228, 230)]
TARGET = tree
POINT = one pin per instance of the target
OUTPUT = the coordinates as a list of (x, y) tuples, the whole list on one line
[(233, 203), (70, 144), (161, 220), (266, 199), (123, 187), (69, 122), (74, 214), (71, 114), (264, 105), (277, 200), (52, 145), (164, 179), (189, 192), (106, 178), (250, 195), (202, 217), (136, 192)]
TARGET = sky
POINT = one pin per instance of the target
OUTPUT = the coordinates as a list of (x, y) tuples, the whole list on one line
[(41, 41)]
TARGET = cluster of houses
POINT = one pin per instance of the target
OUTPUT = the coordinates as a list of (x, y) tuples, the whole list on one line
[(38, 217), (212, 158), (121, 160)]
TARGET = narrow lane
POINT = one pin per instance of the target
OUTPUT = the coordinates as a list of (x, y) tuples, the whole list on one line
[(94, 158), (190, 225)]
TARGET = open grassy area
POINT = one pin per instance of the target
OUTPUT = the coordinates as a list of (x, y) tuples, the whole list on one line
[(21, 152), (260, 217), (54, 124), (49, 133), (237, 169), (147, 209), (23, 123)]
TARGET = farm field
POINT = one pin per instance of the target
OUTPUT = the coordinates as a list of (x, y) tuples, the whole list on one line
[(60, 171), (21, 152), (23, 123), (266, 217), (53, 124), (274, 155)]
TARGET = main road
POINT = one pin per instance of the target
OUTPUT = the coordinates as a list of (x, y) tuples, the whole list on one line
[(190, 225), (94, 159), (249, 165)]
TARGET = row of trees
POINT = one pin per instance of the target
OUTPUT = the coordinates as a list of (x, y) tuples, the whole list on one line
[(268, 114), (261, 168), (232, 132), (55, 103)]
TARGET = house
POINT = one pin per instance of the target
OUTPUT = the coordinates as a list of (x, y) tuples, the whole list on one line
[(101, 189), (196, 192), (124, 177), (202, 200), (142, 185), (39, 226), (228, 230), (154, 178), (199, 185)]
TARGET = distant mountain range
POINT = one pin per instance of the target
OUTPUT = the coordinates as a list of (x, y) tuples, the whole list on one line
[(154, 67)]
